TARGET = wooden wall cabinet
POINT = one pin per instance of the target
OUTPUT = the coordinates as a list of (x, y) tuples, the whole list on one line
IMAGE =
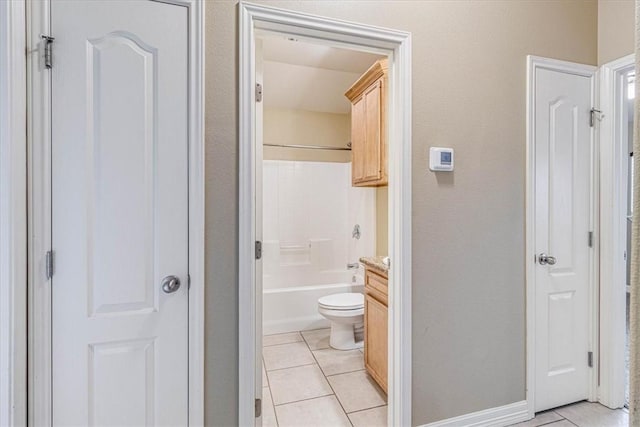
[(376, 314), (368, 98)]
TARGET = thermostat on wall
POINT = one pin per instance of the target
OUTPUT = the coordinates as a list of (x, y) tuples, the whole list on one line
[(441, 159)]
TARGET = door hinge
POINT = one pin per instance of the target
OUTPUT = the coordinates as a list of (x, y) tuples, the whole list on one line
[(48, 42), (593, 115), (590, 359), (591, 239), (258, 249), (258, 408), (49, 264), (258, 92)]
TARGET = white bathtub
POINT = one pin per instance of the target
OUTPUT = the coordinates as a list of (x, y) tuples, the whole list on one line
[(291, 309)]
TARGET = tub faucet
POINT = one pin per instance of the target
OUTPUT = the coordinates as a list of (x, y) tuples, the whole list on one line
[(353, 266)]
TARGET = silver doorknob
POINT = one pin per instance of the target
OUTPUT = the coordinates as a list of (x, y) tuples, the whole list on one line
[(545, 259), (170, 284)]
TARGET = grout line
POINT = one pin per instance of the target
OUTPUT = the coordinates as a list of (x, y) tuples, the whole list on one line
[(331, 387), (373, 407), (346, 372), (290, 367), (282, 343), (305, 400)]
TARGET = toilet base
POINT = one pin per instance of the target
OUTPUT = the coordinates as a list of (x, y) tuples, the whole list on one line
[(343, 336)]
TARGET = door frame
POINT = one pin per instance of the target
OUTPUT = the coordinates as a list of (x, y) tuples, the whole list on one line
[(613, 234), (533, 64), (38, 101), (13, 215), (346, 35)]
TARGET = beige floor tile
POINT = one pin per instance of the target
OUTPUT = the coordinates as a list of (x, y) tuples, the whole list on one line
[(268, 340), (357, 391), (268, 411), (561, 423), (293, 384), (587, 414), (320, 412), (376, 417), (317, 339), (338, 361), (541, 418), (286, 356)]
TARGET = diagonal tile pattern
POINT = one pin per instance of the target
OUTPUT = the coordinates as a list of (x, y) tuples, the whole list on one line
[(307, 383)]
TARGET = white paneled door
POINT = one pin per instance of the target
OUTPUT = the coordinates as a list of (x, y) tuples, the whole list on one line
[(563, 150), (119, 213)]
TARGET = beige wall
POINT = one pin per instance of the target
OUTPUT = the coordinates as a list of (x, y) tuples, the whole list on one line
[(299, 127), (469, 80), (616, 26)]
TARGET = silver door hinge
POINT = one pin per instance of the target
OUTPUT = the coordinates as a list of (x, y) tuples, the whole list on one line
[(258, 249), (590, 359), (48, 42), (49, 264), (591, 239), (258, 92), (258, 408), (593, 115)]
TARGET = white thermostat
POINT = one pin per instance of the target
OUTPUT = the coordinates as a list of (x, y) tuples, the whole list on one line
[(441, 159)]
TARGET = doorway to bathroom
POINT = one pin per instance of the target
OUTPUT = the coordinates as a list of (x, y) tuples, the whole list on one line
[(319, 233), (313, 219)]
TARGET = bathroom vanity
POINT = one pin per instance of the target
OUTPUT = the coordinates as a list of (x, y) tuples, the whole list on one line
[(376, 314)]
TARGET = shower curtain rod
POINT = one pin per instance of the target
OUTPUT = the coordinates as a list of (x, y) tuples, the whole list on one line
[(310, 147)]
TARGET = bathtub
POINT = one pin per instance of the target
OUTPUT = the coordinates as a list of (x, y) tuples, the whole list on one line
[(291, 309)]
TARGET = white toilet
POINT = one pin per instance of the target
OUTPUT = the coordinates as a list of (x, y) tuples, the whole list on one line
[(346, 313)]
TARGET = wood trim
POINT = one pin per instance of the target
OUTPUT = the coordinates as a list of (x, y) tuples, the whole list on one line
[(495, 417), (38, 117), (331, 32), (13, 218), (613, 201)]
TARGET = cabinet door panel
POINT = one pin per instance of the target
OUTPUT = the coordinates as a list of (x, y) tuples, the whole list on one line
[(358, 132), (372, 166), (375, 353)]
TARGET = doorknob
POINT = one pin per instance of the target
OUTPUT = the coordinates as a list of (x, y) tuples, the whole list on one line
[(170, 284), (545, 259)]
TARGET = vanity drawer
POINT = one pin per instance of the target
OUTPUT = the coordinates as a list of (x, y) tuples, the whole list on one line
[(376, 282)]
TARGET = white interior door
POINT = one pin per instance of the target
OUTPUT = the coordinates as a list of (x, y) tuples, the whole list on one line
[(120, 213), (563, 154)]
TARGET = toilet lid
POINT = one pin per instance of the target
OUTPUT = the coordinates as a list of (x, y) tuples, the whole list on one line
[(346, 301)]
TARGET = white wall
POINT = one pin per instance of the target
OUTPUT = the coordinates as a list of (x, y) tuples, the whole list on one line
[(309, 210)]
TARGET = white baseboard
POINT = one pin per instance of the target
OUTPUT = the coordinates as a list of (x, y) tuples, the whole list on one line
[(494, 417)]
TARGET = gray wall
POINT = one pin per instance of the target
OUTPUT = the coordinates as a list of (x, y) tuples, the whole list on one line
[(469, 79)]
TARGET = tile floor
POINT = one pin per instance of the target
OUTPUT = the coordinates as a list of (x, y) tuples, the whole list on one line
[(581, 414), (307, 383)]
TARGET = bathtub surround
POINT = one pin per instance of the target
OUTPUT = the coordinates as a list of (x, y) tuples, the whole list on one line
[(309, 212)]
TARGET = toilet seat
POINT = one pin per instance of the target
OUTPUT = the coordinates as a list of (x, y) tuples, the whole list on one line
[(344, 301)]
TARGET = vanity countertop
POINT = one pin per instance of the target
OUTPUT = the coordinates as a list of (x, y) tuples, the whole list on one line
[(375, 263)]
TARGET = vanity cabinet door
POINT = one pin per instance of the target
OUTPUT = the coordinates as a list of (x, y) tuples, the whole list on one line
[(375, 349)]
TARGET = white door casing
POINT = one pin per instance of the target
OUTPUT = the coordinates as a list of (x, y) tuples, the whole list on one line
[(119, 213), (259, 117), (562, 207)]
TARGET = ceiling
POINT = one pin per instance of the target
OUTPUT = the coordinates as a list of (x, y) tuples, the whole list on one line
[(303, 76)]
